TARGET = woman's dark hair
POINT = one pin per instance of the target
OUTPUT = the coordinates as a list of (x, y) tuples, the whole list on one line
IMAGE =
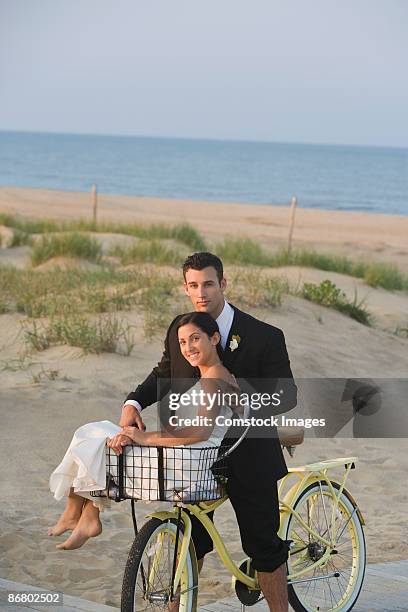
[(205, 322), (199, 261)]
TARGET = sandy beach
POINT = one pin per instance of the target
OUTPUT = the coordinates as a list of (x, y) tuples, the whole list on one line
[(38, 418)]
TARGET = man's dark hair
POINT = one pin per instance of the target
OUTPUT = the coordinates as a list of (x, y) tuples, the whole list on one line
[(199, 261)]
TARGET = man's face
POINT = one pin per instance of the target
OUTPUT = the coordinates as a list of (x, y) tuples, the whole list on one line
[(205, 291)]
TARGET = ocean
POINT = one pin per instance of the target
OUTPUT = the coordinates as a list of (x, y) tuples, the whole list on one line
[(334, 177)]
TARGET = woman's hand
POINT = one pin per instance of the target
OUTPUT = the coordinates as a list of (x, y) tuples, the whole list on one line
[(118, 442), (135, 435)]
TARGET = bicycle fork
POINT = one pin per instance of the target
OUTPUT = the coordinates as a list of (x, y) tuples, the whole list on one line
[(179, 559)]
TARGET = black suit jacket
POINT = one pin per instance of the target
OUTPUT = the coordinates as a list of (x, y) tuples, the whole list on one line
[(261, 359)]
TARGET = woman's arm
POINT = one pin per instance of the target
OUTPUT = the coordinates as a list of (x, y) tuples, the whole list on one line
[(177, 436), (207, 412), (185, 436)]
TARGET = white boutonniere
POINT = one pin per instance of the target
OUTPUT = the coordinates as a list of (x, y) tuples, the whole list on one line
[(234, 343)]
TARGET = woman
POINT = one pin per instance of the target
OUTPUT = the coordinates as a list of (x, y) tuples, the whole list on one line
[(83, 467)]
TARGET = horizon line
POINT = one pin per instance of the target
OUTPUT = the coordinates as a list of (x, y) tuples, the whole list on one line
[(205, 139)]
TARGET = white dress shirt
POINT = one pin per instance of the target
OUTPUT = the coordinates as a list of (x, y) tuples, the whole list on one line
[(224, 322)]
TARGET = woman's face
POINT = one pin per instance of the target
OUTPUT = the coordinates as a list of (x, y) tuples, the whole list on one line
[(196, 346)]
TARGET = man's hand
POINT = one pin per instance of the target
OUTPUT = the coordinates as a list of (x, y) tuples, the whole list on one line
[(131, 417)]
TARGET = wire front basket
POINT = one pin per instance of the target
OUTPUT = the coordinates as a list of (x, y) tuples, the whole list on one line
[(178, 474)]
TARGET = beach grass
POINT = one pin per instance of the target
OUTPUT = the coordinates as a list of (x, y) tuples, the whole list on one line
[(43, 374), (328, 294), (16, 364), (82, 307), (249, 287), (402, 330), (69, 299), (21, 239), (183, 232), (186, 233), (155, 302), (63, 292), (15, 284), (148, 251), (238, 251), (244, 251), (30, 226), (105, 334), (384, 275), (72, 244), (70, 304)]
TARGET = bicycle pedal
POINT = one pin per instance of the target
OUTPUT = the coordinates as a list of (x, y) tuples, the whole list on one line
[(247, 596)]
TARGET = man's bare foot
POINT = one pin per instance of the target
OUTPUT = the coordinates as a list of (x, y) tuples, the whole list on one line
[(173, 606), (83, 531), (62, 525)]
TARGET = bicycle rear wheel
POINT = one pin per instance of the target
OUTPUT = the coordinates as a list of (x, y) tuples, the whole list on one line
[(335, 585), (147, 581)]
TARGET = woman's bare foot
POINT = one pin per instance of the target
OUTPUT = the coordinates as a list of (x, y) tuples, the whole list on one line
[(80, 535), (70, 517), (62, 525), (89, 526)]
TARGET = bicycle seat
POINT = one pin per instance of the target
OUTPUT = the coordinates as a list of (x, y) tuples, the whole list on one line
[(291, 436)]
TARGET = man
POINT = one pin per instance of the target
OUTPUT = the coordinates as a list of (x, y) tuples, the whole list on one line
[(255, 351)]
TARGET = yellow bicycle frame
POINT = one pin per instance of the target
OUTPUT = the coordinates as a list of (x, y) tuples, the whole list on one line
[(305, 475)]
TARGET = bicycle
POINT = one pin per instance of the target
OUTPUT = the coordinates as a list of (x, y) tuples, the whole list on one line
[(320, 521)]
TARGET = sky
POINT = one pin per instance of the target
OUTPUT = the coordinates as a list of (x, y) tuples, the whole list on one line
[(319, 71)]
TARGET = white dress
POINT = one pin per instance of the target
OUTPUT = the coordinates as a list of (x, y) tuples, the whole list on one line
[(83, 467)]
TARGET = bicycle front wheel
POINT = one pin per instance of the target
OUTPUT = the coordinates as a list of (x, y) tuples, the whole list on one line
[(333, 586), (147, 582)]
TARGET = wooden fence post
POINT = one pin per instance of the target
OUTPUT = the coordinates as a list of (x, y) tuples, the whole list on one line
[(293, 207), (94, 199)]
